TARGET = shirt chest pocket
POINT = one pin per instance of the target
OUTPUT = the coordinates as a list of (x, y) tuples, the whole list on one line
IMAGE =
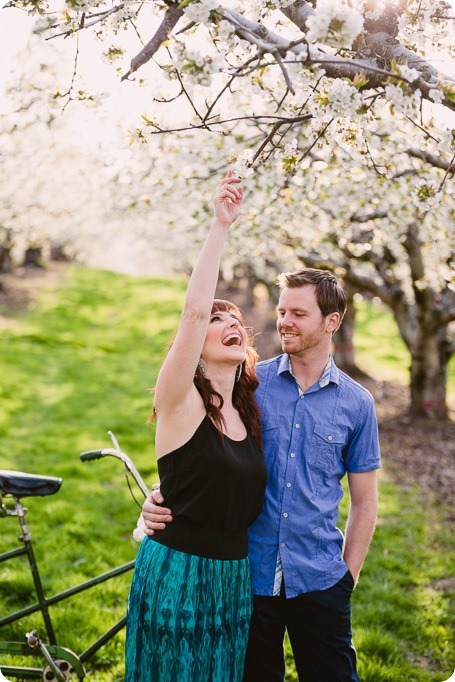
[(328, 444)]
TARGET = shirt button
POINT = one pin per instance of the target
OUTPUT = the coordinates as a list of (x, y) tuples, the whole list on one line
[(297, 426), (283, 544), (288, 485), (329, 437), (302, 396), (285, 515), (292, 455)]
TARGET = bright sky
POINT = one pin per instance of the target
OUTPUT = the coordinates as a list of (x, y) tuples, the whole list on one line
[(123, 102)]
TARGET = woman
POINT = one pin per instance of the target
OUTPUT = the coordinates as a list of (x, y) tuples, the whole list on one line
[(190, 600)]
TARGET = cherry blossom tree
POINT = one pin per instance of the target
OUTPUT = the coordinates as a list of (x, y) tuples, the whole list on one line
[(53, 195), (287, 52), (379, 230), (340, 120)]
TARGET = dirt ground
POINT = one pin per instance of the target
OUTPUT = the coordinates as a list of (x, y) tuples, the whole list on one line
[(413, 451)]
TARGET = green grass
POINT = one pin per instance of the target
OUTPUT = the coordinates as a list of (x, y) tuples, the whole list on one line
[(402, 620), (82, 362)]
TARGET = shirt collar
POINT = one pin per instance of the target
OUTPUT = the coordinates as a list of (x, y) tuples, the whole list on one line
[(325, 378), (330, 373)]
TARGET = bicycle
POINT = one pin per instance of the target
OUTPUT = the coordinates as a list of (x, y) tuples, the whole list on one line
[(61, 663)]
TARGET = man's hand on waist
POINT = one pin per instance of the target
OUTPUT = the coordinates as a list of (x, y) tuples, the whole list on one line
[(155, 517)]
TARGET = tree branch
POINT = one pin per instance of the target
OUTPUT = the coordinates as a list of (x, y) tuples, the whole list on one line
[(382, 46), (379, 213), (100, 16), (206, 125), (432, 159), (171, 18)]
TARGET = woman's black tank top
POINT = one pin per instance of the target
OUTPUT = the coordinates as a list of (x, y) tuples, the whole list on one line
[(214, 487)]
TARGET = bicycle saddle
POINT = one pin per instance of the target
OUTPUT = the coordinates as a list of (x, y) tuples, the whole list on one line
[(25, 485)]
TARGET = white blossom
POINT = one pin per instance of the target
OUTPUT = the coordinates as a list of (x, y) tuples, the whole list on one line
[(334, 23), (241, 166), (338, 98), (195, 67), (279, 4), (371, 9), (199, 12), (139, 531), (436, 95), (410, 74), (118, 20), (401, 101), (426, 194), (225, 34)]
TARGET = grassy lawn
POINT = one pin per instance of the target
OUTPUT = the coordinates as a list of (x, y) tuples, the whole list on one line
[(82, 362)]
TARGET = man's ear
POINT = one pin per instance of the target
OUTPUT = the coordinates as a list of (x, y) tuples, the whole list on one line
[(333, 322)]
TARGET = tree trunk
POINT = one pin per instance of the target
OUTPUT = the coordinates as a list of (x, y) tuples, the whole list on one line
[(268, 343), (343, 339), (6, 262), (33, 256), (429, 375), (430, 349), (58, 254)]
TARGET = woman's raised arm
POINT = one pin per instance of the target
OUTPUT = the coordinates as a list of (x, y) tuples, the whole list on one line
[(175, 381)]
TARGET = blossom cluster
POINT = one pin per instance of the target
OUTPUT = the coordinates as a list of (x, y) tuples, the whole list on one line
[(335, 23), (288, 156), (241, 164), (119, 19), (408, 73), (426, 194), (338, 98), (199, 12), (401, 100), (427, 24), (278, 4), (344, 160), (195, 67)]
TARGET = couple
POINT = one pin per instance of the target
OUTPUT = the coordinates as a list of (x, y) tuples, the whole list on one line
[(193, 614)]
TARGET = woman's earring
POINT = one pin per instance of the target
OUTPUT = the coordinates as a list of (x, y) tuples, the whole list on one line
[(202, 366), (239, 373)]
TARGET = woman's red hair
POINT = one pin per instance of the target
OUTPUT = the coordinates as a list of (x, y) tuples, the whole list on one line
[(244, 388)]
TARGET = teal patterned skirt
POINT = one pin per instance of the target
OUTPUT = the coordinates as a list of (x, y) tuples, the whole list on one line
[(188, 617)]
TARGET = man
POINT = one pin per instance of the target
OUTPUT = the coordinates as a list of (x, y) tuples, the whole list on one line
[(318, 424)]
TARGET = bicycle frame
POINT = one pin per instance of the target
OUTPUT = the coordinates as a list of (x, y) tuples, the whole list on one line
[(56, 655)]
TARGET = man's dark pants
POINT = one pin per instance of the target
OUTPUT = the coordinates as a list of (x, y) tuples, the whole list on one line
[(319, 629)]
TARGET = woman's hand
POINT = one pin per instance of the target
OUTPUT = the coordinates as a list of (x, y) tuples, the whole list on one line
[(228, 200)]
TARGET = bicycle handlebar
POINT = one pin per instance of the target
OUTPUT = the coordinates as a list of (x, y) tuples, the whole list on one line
[(90, 455)]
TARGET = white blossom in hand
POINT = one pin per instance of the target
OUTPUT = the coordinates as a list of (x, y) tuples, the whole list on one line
[(139, 531), (241, 166)]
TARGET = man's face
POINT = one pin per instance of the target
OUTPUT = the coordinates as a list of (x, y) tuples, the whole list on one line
[(300, 324)]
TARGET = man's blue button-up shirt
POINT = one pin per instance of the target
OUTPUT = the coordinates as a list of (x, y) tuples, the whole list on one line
[(311, 439)]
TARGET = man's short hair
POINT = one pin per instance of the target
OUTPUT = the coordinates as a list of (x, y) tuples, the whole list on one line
[(330, 294)]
